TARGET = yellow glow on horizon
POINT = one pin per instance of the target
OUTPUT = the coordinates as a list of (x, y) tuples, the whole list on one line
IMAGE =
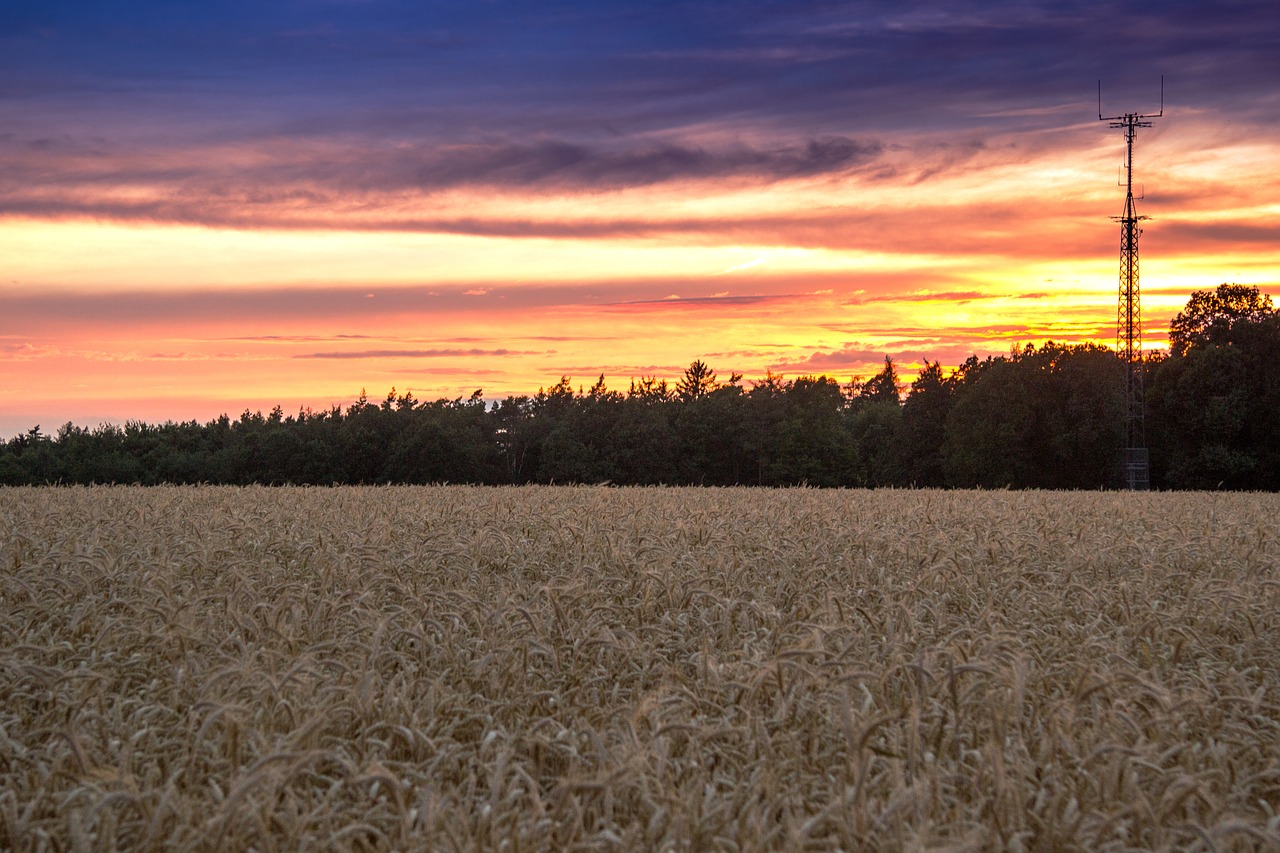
[(935, 253), (173, 258)]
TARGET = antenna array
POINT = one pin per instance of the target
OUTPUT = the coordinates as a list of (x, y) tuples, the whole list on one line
[(1137, 463)]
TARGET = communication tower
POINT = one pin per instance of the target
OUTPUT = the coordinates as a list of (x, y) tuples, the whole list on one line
[(1137, 460)]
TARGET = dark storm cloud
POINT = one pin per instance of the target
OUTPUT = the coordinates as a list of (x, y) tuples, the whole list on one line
[(336, 106), (455, 70), (283, 175), (578, 165), (563, 164)]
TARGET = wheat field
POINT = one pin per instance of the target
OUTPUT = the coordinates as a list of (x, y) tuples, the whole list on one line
[(455, 668)]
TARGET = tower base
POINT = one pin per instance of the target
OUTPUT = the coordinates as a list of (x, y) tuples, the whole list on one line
[(1137, 469)]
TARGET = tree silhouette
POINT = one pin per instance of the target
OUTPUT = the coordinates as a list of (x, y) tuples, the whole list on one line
[(883, 387), (1211, 315), (698, 381), (924, 426), (1044, 418), (1215, 398)]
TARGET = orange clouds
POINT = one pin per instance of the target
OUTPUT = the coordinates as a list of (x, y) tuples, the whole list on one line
[(513, 265)]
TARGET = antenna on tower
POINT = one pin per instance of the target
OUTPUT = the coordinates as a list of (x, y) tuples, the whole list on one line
[(1121, 118), (1137, 460)]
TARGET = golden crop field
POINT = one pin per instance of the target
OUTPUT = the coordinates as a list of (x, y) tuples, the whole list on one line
[(540, 668)]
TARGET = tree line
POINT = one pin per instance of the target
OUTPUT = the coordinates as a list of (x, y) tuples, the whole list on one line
[(1041, 417)]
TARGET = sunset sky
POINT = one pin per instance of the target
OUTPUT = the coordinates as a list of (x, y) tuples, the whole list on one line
[(218, 206)]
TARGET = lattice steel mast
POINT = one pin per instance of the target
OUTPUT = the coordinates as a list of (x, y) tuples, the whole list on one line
[(1137, 463)]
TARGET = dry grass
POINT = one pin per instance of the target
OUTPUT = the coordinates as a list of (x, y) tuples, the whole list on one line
[(598, 669)]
